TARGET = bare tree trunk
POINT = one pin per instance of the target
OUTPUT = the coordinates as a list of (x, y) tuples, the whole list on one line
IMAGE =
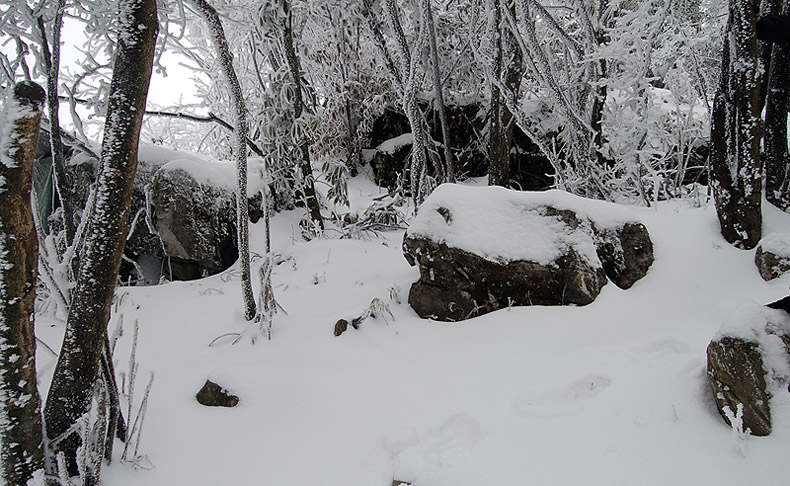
[(240, 149), (308, 181), (777, 158), (439, 105), (735, 131), (73, 382), (21, 456), (507, 70)]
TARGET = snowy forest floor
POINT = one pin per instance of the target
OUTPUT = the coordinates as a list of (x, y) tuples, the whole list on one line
[(611, 393)]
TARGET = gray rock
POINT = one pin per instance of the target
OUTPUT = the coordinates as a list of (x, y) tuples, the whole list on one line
[(625, 252), (195, 222), (388, 165), (340, 327), (737, 376), (455, 284), (748, 363), (213, 395)]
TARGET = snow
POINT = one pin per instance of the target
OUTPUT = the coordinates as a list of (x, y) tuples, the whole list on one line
[(611, 393), (220, 173), (777, 243), (206, 173), (504, 225), (394, 144)]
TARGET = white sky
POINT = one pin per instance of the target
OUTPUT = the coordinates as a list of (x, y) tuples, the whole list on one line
[(177, 87)]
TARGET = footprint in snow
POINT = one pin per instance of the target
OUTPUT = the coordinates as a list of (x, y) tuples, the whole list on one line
[(561, 402), (425, 455)]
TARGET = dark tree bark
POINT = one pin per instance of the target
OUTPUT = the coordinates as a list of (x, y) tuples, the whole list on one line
[(777, 158), (735, 131), (601, 91), (20, 405), (767, 8), (72, 385), (308, 181), (240, 151), (508, 69)]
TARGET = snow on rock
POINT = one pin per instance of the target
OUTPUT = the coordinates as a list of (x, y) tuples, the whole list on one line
[(503, 225), (483, 249), (389, 159), (192, 224), (749, 363), (394, 144), (773, 256)]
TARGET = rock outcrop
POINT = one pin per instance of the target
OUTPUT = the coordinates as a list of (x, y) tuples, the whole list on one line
[(182, 217), (483, 249), (749, 362)]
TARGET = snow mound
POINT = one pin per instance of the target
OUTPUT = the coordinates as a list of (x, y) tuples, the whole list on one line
[(204, 172), (778, 244), (394, 144)]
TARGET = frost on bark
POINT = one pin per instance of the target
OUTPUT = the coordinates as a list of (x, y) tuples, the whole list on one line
[(507, 71), (240, 150), (439, 105), (21, 454), (410, 107), (777, 158), (76, 371), (735, 131), (52, 64), (308, 181), (404, 80)]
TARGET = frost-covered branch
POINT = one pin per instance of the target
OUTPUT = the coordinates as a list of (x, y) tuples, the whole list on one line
[(240, 151)]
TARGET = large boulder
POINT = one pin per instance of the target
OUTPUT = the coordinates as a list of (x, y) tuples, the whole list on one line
[(483, 249), (194, 219), (748, 363), (772, 256), (182, 217)]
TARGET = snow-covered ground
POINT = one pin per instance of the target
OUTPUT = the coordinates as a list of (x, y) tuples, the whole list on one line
[(607, 394)]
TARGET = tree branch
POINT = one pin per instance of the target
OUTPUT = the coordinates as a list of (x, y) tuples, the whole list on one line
[(210, 118)]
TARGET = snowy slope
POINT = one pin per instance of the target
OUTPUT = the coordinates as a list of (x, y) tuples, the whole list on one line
[(611, 393)]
